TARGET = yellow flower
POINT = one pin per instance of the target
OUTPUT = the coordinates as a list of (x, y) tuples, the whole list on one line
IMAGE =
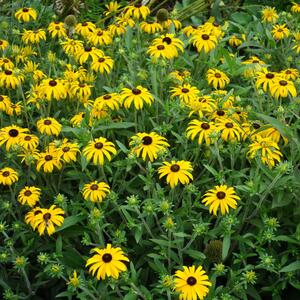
[(26, 14), (29, 195), (6, 63), (33, 36), (4, 102), (8, 176), (85, 29), (176, 171), (30, 216), (217, 78), (220, 196), (74, 280), (203, 129), (99, 149), (71, 46), (57, 29), (280, 32), (49, 126), (269, 15), (204, 105), (116, 29), (203, 40), (95, 191), (83, 54), (267, 150), (137, 96), (192, 283), (107, 262), (169, 42), (265, 79), (234, 41), (100, 37), (77, 119), (111, 7), (290, 74), (48, 160), (68, 151), (10, 135), (162, 50), (14, 109), (230, 130), (80, 90), (137, 11), (3, 44), (148, 145), (190, 30), (53, 89), (9, 79), (102, 64), (168, 23), (295, 8), (186, 93), (180, 75), (282, 88), (48, 219), (151, 27), (111, 101)]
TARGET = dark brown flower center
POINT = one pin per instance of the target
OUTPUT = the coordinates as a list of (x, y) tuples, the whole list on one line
[(194, 26), (1, 42), (218, 75), (8, 72), (37, 212), (84, 24), (47, 217), (283, 82), (5, 173), (101, 59), (185, 90), (48, 157), (66, 149), (255, 61), (57, 27), (94, 187), (167, 40), (25, 9), (288, 72), (229, 125), (175, 168), (221, 195), (1, 98), (81, 85), (107, 257), (47, 122), (106, 97), (87, 49), (205, 37), (279, 30), (191, 281), (99, 145), (160, 47), (147, 140), (138, 5), (27, 193), (100, 33), (205, 126), (270, 75), (13, 133), (136, 91), (220, 113), (52, 83), (5, 60), (256, 126)]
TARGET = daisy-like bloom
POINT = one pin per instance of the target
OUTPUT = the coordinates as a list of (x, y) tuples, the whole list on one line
[(48, 219), (234, 41), (8, 176), (98, 112), (274, 134), (266, 149), (290, 74), (170, 42), (161, 50), (84, 53), (100, 37), (180, 75), (99, 149), (10, 135), (295, 8), (190, 30), (282, 88), (217, 78), (116, 29), (6, 63), (176, 171), (168, 23), (67, 151), (151, 27), (74, 281), (3, 44), (14, 109), (148, 145), (254, 65), (102, 64), (265, 79), (53, 89), (57, 29), (71, 46), (29, 195), (95, 191), (137, 96), (80, 90), (125, 21), (202, 106), (48, 160), (220, 196), (10, 79), (26, 14), (31, 68), (33, 36), (49, 126), (111, 8), (186, 93), (205, 130), (269, 15), (280, 32), (85, 29), (204, 41), (77, 119), (30, 216), (192, 283), (107, 262), (111, 101), (230, 130), (137, 11), (4, 102)]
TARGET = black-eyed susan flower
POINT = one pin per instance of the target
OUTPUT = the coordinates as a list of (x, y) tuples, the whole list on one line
[(33, 36), (6, 63), (48, 160), (31, 68), (48, 219), (107, 262), (230, 129), (137, 96), (217, 78), (111, 101), (71, 46), (171, 22), (192, 283), (280, 32), (10, 135), (29, 195), (161, 51), (4, 102), (282, 88), (185, 93), (95, 191), (234, 41), (295, 8), (102, 64), (180, 75), (98, 112), (176, 171), (269, 15), (3, 44), (85, 28), (190, 30), (10, 79), (77, 119), (26, 14), (99, 149), (137, 11), (204, 130), (116, 29), (290, 74), (151, 27), (100, 37), (274, 134), (221, 196), (14, 109), (204, 41), (30, 216), (170, 42), (254, 65), (266, 149), (8, 176), (68, 151), (53, 89), (265, 79), (203, 105), (49, 126), (148, 145), (111, 7), (57, 29), (83, 54), (80, 90)]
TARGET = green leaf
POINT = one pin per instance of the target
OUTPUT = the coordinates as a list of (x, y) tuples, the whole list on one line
[(241, 18), (195, 254), (291, 267), (226, 246), (70, 221), (119, 125), (130, 296), (59, 246)]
